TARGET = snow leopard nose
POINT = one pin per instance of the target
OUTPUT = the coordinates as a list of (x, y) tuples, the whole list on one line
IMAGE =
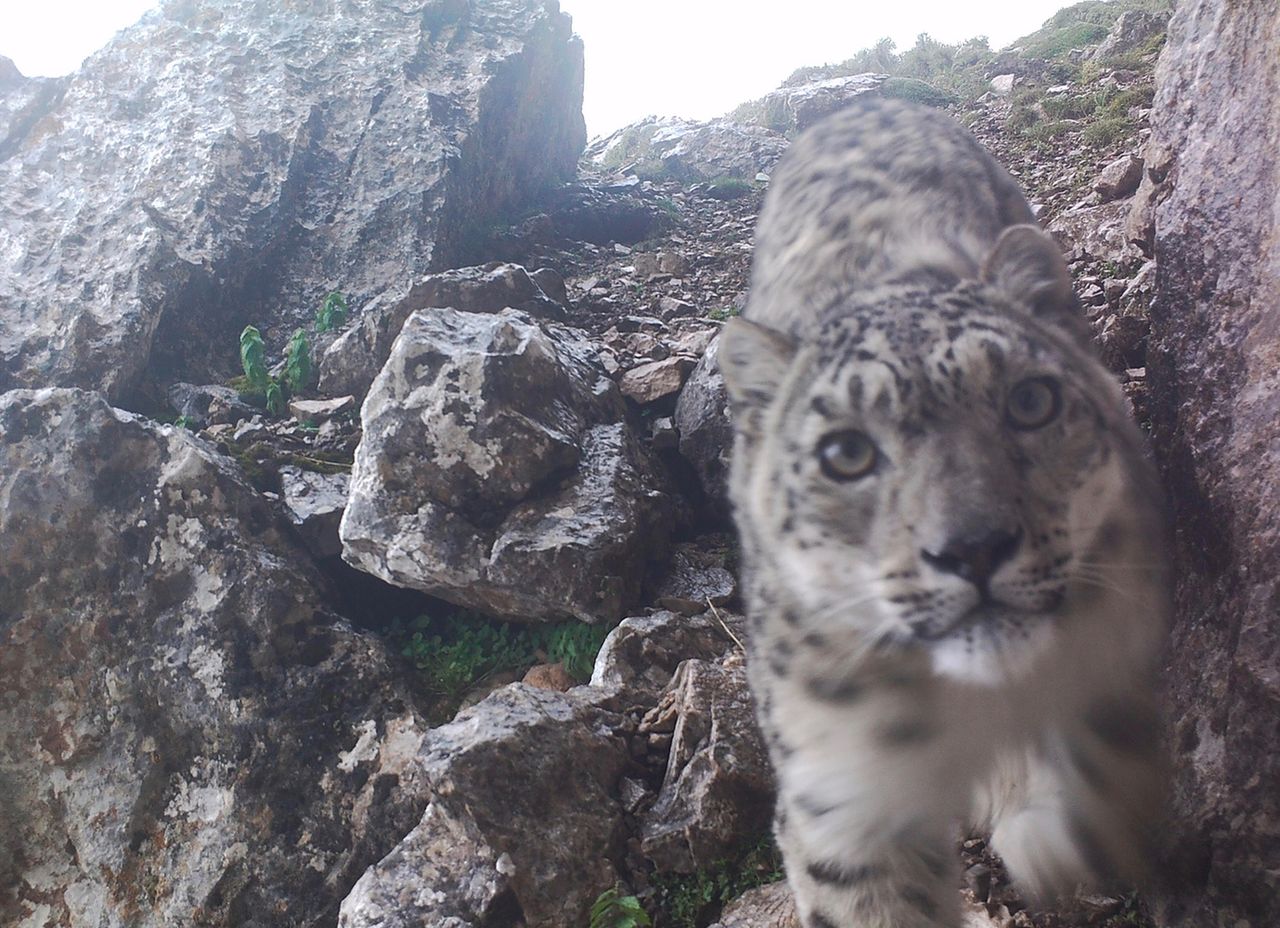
[(975, 557)]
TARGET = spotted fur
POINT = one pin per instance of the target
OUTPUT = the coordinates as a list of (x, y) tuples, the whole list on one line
[(953, 543)]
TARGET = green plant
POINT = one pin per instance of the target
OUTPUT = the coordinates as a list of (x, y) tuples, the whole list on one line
[(274, 398), (722, 313), (253, 358), (1109, 130), (185, 422), (297, 362), (576, 645), (728, 188), (614, 910), (333, 312), (694, 900), (917, 91)]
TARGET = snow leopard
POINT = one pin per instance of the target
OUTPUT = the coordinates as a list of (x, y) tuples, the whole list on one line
[(953, 541)]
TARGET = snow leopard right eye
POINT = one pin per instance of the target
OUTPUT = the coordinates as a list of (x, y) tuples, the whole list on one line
[(847, 455)]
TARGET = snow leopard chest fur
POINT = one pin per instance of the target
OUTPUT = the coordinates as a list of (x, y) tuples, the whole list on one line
[(953, 544)]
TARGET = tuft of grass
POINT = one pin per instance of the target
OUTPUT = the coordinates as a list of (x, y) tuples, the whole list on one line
[(729, 188), (694, 900), (917, 91), (1108, 130), (722, 313)]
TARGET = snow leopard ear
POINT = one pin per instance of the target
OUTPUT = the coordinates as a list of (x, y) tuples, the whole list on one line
[(1027, 267), (754, 361)]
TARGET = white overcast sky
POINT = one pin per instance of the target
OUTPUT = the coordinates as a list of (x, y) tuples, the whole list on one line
[(695, 58)]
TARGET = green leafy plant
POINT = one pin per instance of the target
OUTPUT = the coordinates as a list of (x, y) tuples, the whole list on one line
[(576, 645), (614, 910), (275, 398), (333, 312), (722, 313), (297, 362), (185, 422), (253, 358)]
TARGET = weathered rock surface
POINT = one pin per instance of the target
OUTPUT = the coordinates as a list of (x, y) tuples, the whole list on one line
[(641, 654), (315, 503), (286, 152), (770, 906), (1132, 29), (522, 823), (208, 404), (718, 785), (706, 430), (690, 151), (1214, 375), (354, 359), (188, 735), (497, 471), (792, 109)]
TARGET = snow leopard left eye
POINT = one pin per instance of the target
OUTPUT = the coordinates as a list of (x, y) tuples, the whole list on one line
[(1033, 403), (847, 455)]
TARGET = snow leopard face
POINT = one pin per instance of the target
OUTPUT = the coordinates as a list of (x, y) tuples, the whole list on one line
[(934, 471)]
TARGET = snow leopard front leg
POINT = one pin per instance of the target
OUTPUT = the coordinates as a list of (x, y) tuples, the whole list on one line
[(870, 785)]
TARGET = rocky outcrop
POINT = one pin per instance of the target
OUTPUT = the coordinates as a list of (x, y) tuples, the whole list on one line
[(706, 432), (286, 153), (497, 471), (1132, 30), (522, 822), (690, 151), (354, 359), (188, 734), (1215, 410), (792, 109)]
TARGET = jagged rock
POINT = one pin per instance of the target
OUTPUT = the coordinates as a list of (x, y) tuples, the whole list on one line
[(209, 404), (340, 146), (315, 503), (793, 109), (650, 382), (1002, 84), (770, 906), (1132, 29), (496, 471), (188, 734), (688, 151), (1120, 178), (641, 654), (522, 822), (354, 359), (706, 432), (695, 580), (320, 410), (1096, 232), (718, 784), (1214, 387)]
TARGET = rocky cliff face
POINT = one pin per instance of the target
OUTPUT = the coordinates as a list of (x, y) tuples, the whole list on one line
[(232, 162), (1214, 173), (227, 692)]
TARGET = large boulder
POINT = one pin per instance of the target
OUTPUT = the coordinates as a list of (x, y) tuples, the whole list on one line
[(792, 109), (355, 357), (188, 736), (688, 150), (523, 822), (232, 161), (1214, 374), (706, 431), (497, 470)]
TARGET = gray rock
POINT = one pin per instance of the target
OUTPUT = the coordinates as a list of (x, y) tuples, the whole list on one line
[(210, 404), (1132, 29), (185, 727), (706, 431), (696, 579), (284, 155), (639, 657), (354, 359), (522, 822), (770, 906), (1120, 178), (654, 380), (1214, 386), (496, 471), (1096, 232), (793, 109), (718, 785), (315, 504), (320, 410), (688, 151)]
